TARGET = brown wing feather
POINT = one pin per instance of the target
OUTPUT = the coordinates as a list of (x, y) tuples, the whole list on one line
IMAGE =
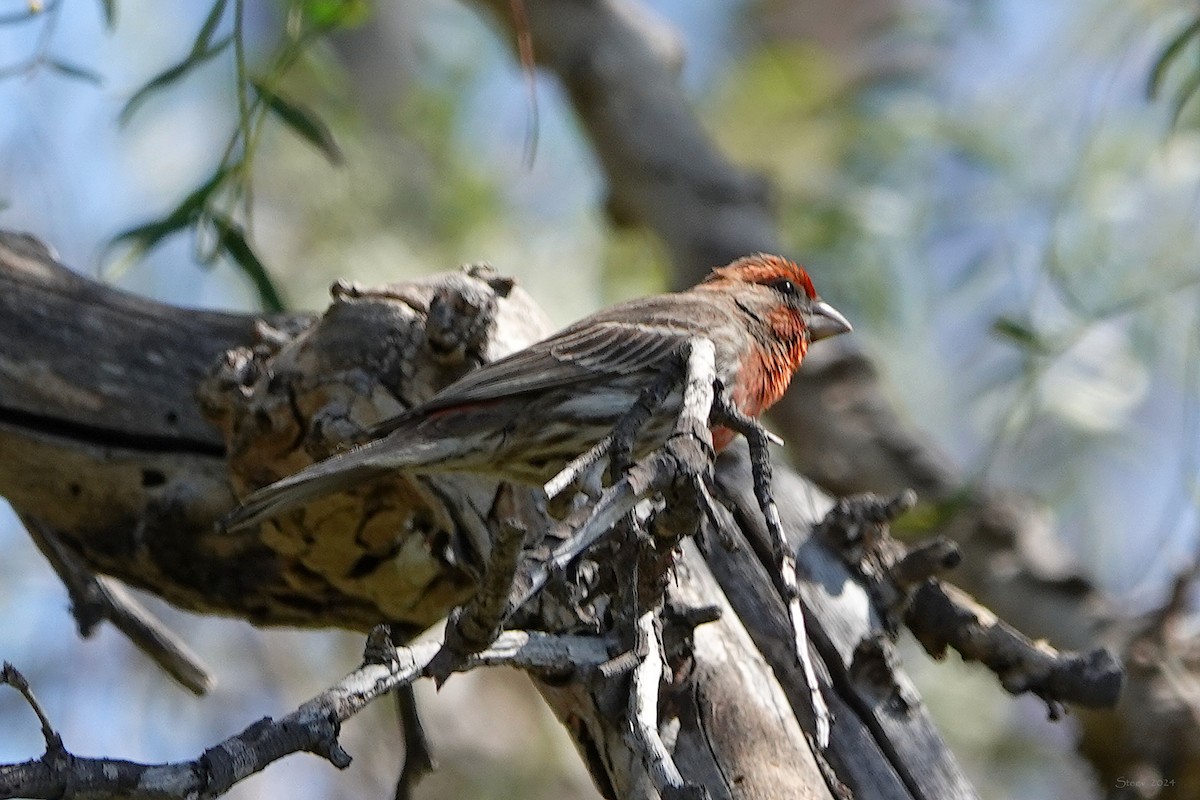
[(605, 344)]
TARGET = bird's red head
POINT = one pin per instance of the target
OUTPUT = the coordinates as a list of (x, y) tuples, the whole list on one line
[(766, 270), (778, 291), (779, 307)]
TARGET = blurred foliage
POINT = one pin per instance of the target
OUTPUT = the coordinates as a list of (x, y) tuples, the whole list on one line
[(41, 57), (1033, 268), (819, 147), (1187, 39), (211, 210), (406, 197), (635, 265), (1018, 253), (218, 211)]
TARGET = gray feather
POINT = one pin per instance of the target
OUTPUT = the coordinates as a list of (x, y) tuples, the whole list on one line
[(335, 474)]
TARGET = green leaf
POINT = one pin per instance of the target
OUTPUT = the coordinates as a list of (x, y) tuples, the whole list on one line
[(303, 121), (336, 13), (171, 75), (146, 237), (1020, 333), (74, 70), (1168, 55), (204, 37), (232, 240), (1186, 92), (109, 7)]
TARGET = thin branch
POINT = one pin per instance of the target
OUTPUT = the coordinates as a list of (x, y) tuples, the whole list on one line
[(651, 474), (475, 625), (95, 598), (617, 445), (900, 578), (643, 736), (418, 760), (944, 616), (10, 676), (785, 558)]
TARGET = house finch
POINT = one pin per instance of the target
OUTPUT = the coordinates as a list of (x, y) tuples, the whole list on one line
[(525, 416)]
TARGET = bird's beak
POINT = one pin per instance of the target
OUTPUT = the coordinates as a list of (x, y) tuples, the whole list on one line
[(826, 321)]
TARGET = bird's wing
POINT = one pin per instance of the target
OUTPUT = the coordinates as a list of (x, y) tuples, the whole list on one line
[(577, 355), (592, 348)]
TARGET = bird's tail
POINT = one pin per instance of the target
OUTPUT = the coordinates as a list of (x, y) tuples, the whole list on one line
[(335, 474), (320, 479)]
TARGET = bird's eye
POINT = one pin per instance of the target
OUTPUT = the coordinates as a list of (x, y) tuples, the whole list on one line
[(784, 287)]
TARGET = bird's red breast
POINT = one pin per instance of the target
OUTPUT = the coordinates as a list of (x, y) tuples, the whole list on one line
[(762, 380)]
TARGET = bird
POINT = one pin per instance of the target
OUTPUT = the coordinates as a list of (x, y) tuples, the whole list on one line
[(523, 417)]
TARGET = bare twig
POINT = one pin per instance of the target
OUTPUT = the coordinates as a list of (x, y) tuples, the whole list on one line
[(11, 676), (418, 760), (476, 624), (95, 598), (942, 616), (643, 736), (785, 559), (649, 475), (902, 581), (618, 444)]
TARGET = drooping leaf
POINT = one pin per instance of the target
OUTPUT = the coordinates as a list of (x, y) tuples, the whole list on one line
[(204, 37), (74, 70), (1186, 92), (171, 75), (232, 241), (109, 7), (1168, 55), (303, 121), (147, 236), (1020, 333)]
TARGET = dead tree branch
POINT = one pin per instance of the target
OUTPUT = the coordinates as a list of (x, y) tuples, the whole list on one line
[(294, 390), (96, 598), (107, 450), (400, 553)]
